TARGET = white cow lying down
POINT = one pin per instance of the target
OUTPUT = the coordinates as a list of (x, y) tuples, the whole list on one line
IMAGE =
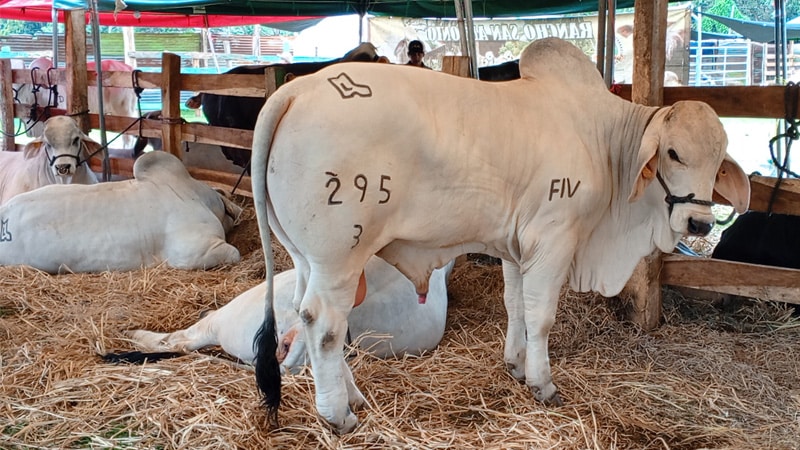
[(554, 174), (59, 156), (162, 215), (390, 321)]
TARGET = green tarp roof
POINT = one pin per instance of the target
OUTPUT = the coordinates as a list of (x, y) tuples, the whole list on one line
[(400, 8)]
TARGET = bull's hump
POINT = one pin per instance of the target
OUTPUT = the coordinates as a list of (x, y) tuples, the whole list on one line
[(554, 59)]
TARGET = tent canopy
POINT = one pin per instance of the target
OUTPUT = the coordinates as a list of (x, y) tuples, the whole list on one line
[(41, 11), (756, 31), (400, 8)]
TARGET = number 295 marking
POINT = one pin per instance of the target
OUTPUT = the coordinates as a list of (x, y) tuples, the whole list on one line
[(361, 183)]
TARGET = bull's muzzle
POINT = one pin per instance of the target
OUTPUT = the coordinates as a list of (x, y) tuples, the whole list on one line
[(64, 169), (699, 227)]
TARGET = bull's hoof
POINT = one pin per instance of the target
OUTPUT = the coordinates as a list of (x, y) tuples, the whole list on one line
[(516, 371), (349, 424), (548, 396), (358, 402)]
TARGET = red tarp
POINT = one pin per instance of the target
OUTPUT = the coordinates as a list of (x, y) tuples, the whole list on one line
[(41, 11)]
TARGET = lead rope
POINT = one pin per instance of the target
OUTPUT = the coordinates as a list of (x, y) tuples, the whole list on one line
[(790, 95)]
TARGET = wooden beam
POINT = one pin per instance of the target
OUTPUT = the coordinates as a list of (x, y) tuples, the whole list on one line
[(749, 280), (6, 107), (456, 65), (649, 31), (642, 293), (728, 101), (171, 103), (76, 75), (787, 200), (649, 36)]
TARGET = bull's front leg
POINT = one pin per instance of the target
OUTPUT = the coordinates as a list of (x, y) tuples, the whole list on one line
[(324, 314), (514, 354), (541, 287)]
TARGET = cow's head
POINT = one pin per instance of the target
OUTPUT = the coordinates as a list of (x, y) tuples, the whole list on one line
[(230, 212), (65, 146), (684, 150)]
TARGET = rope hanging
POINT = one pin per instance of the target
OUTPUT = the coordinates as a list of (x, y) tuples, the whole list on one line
[(790, 102)]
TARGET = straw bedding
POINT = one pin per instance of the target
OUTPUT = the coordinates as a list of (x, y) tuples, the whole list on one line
[(712, 376)]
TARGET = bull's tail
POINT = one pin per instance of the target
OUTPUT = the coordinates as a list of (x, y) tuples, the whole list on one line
[(268, 374)]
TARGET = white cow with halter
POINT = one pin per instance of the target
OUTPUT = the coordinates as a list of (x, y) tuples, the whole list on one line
[(388, 323), (59, 156), (163, 215), (552, 173)]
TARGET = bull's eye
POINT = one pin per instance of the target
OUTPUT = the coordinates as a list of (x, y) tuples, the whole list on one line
[(673, 155), (75, 141)]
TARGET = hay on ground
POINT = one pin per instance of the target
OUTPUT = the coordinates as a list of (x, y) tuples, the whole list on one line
[(709, 377)]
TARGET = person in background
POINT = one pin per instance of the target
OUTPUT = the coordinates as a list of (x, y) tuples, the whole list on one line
[(415, 53)]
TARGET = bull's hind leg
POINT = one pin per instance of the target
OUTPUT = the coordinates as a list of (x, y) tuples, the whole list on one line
[(324, 310)]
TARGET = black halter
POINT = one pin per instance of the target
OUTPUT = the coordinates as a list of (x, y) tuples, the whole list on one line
[(54, 158), (673, 199)]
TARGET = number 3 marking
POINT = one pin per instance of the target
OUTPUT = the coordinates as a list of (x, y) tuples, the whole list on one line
[(357, 237)]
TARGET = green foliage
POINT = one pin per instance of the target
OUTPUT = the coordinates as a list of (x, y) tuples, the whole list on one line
[(755, 10), (8, 27)]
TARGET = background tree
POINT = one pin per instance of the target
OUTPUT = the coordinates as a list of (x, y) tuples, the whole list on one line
[(755, 10)]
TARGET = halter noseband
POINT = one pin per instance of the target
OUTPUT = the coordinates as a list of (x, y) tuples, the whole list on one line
[(78, 161), (673, 199)]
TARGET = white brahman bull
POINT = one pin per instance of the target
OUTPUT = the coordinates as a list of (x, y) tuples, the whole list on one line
[(390, 321), (162, 215), (59, 156), (116, 101), (552, 173)]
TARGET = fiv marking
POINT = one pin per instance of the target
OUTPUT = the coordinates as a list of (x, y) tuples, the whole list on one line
[(562, 186)]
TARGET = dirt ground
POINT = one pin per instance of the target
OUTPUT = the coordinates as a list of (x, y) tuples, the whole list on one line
[(722, 376)]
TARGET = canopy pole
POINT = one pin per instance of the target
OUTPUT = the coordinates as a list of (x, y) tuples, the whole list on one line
[(462, 30), (608, 73), (99, 70), (54, 18), (471, 37), (602, 7)]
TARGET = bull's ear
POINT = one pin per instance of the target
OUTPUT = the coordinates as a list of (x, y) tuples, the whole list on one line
[(230, 206), (32, 148), (647, 159), (732, 186), (383, 60), (90, 147)]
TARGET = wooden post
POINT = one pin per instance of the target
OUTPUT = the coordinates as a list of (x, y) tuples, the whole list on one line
[(129, 45), (6, 106), (77, 91), (171, 103), (271, 83), (649, 35), (456, 65)]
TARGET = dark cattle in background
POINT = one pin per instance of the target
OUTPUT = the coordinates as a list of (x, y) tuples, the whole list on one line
[(761, 238), (241, 112), (501, 72)]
